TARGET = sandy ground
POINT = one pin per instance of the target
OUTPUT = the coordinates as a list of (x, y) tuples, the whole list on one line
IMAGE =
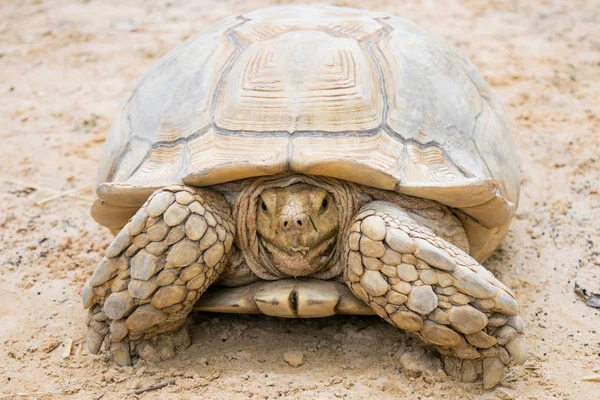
[(65, 68)]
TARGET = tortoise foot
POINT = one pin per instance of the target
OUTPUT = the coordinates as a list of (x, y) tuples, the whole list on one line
[(490, 363), (155, 269), (162, 347), (155, 345), (426, 285)]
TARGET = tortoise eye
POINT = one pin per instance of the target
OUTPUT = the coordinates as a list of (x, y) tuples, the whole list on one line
[(324, 205), (263, 206)]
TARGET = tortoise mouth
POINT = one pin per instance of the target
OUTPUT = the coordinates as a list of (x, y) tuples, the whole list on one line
[(301, 261)]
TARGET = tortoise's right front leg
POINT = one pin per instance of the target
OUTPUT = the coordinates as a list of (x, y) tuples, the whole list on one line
[(154, 270)]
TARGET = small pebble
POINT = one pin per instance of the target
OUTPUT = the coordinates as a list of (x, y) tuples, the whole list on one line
[(294, 358)]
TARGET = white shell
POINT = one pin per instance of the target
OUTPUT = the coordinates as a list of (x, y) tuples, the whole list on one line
[(331, 91)]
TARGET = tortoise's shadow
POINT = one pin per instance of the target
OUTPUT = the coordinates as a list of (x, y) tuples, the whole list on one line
[(258, 343)]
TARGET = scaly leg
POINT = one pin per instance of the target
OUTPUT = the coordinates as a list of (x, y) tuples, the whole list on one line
[(425, 285), (154, 270)]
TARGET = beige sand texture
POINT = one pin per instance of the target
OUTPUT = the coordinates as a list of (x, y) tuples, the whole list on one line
[(65, 68)]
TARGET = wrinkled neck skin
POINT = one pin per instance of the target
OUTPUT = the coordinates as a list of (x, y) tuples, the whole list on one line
[(263, 228)]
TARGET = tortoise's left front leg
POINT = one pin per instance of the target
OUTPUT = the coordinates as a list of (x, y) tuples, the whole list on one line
[(423, 284)]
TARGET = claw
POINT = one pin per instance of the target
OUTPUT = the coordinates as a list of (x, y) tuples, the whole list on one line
[(94, 341), (469, 371), (517, 323), (493, 370), (120, 353), (181, 339), (505, 334), (517, 348), (87, 296), (165, 347), (452, 366), (147, 352)]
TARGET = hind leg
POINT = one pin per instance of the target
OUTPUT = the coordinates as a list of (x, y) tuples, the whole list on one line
[(154, 270), (425, 285)]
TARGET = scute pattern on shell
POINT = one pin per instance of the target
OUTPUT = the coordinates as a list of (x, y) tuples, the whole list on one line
[(343, 80)]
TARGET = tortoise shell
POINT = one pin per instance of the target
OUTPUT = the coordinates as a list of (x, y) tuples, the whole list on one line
[(339, 92)]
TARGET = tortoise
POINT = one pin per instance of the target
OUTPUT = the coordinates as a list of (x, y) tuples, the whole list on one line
[(303, 162)]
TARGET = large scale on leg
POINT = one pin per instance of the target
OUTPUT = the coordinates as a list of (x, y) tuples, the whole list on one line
[(289, 114)]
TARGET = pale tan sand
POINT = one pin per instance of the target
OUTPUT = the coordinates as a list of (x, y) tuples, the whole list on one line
[(66, 67)]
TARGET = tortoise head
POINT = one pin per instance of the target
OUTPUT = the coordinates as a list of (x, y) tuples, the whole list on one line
[(298, 225)]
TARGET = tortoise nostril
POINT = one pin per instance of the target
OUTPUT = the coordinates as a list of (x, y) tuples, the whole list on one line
[(296, 223)]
